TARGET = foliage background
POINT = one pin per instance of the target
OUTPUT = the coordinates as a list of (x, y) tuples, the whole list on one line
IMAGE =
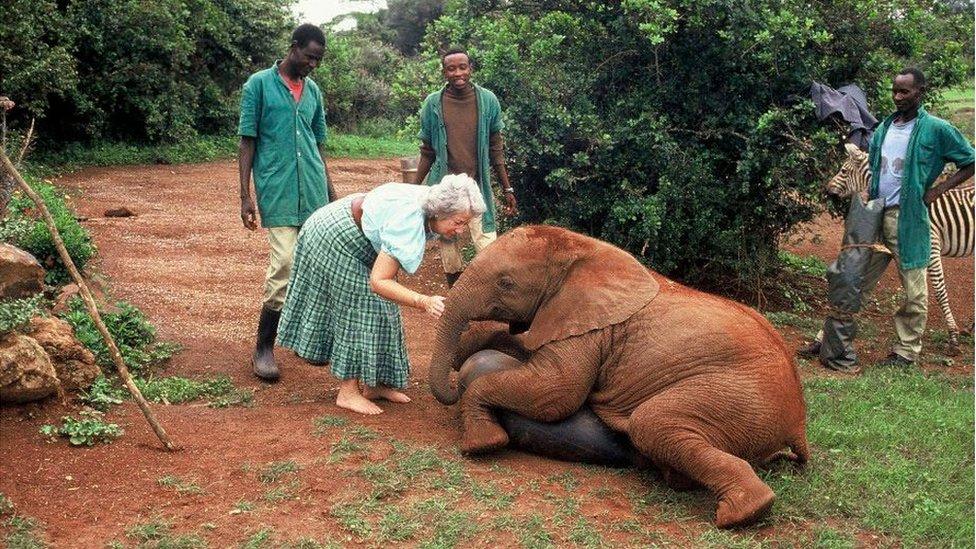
[(680, 130)]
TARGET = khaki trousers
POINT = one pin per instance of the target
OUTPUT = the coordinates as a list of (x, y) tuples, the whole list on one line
[(911, 316), (451, 251), (282, 241)]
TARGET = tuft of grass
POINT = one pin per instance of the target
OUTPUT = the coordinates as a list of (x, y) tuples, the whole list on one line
[(23, 533), (177, 390), (781, 319), (354, 146), (182, 487), (803, 265), (342, 448), (533, 535), (259, 539), (326, 422), (158, 533), (273, 471), (242, 506), (283, 492)]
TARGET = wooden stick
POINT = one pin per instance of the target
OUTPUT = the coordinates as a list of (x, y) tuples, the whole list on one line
[(90, 304), (26, 144)]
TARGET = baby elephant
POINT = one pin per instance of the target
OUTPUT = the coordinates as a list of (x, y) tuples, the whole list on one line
[(701, 385)]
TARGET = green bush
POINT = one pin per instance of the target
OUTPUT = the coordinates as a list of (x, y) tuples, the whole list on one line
[(25, 228), (15, 314), (132, 332), (682, 131)]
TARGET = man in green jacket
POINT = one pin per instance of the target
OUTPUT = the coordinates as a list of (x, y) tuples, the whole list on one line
[(283, 132), (461, 132), (908, 152)]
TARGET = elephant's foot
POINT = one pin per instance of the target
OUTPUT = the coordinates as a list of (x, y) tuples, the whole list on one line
[(744, 504), (483, 436)]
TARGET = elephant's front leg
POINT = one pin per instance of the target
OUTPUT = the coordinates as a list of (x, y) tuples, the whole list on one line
[(550, 386)]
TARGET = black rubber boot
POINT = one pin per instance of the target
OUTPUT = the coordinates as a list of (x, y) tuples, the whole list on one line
[(452, 278), (263, 358)]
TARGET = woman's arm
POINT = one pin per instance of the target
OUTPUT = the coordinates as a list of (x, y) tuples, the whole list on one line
[(382, 280)]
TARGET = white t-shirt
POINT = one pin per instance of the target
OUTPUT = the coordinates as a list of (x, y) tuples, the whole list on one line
[(893, 152)]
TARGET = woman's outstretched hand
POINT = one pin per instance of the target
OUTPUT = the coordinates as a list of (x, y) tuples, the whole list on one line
[(433, 304)]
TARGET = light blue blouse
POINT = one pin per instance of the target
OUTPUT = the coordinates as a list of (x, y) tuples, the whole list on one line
[(393, 222)]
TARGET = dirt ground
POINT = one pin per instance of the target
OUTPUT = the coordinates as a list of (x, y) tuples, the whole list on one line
[(186, 261)]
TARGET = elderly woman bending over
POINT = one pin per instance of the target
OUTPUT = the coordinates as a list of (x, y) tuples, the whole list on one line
[(343, 296)]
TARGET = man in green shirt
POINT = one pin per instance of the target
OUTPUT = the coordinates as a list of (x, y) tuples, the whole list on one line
[(908, 152), (460, 132), (283, 132)]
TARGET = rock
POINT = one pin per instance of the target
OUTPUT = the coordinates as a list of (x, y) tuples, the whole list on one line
[(73, 362), (26, 372), (64, 296), (119, 212), (20, 273)]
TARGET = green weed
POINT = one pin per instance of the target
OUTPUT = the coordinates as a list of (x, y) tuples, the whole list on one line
[(182, 487), (15, 314), (283, 492), (803, 265), (176, 389), (242, 507), (84, 432), (103, 394), (23, 533), (157, 533), (259, 539), (273, 471), (324, 423)]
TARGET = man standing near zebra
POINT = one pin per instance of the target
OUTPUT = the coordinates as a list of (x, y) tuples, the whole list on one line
[(906, 155)]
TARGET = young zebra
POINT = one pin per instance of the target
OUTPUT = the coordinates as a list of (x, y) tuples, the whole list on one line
[(951, 225)]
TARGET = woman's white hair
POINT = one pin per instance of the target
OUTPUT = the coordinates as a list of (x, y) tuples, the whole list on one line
[(456, 193)]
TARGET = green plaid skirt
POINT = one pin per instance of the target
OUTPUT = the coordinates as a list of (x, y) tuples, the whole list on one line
[(331, 314)]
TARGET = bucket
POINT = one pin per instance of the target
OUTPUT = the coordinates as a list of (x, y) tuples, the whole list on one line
[(408, 168)]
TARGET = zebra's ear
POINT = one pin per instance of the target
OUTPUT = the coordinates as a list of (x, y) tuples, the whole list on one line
[(853, 151)]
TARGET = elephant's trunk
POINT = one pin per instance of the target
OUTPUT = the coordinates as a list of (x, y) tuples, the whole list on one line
[(444, 358)]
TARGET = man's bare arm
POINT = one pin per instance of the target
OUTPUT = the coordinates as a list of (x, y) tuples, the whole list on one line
[(950, 182), (245, 161)]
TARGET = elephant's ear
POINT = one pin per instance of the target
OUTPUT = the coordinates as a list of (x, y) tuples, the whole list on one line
[(597, 290)]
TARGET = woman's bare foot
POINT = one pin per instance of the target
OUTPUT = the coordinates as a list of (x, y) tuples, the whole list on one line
[(384, 392), (350, 399)]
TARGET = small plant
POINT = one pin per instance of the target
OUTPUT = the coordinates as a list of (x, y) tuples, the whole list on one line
[(131, 330), (242, 507), (103, 394), (15, 314), (6, 506), (157, 533), (259, 539), (804, 265), (237, 397), (23, 533), (273, 471), (84, 432), (282, 492), (182, 487), (324, 423)]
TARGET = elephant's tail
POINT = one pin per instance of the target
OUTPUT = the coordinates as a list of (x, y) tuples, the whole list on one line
[(800, 448)]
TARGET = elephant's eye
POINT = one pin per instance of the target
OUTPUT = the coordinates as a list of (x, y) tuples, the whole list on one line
[(506, 283)]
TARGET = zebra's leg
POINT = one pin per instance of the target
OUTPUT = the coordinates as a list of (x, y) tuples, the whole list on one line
[(937, 276)]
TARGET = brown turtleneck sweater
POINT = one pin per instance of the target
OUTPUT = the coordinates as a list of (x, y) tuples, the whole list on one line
[(461, 123)]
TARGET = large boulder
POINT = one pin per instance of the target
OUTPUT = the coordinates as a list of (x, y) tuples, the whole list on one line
[(26, 372), (73, 362), (20, 273)]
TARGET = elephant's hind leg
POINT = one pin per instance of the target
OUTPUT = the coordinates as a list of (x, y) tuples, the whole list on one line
[(674, 440)]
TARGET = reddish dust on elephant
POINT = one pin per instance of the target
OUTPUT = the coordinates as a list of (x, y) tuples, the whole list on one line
[(188, 263)]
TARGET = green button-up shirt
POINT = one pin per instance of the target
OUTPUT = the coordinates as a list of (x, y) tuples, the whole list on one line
[(289, 174), (433, 131), (932, 144)]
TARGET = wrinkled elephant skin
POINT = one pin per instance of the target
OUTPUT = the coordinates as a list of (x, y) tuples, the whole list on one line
[(702, 385)]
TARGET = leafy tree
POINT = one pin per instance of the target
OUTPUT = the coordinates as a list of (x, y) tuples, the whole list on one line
[(409, 20), (681, 130)]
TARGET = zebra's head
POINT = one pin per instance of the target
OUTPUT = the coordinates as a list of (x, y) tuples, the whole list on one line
[(853, 175)]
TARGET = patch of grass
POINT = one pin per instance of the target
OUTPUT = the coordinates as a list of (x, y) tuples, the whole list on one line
[(131, 330), (6, 506), (353, 516), (532, 533), (283, 492), (182, 487), (894, 453), (273, 471), (237, 397), (584, 534), (342, 448), (242, 506), (177, 390), (782, 319), (326, 422), (803, 265), (567, 480), (395, 525), (84, 432), (354, 146), (489, 495), (73, 156), (259, 539), (363, 433), (23, 533), (157, 533)]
